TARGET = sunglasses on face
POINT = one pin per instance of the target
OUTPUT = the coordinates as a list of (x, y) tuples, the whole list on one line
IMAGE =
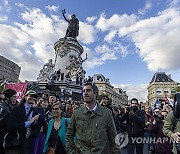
[(55, 109)]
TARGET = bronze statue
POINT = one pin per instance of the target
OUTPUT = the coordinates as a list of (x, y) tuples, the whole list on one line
[(73, 25)]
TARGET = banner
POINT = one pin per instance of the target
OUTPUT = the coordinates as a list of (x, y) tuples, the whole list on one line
[(20, 88)]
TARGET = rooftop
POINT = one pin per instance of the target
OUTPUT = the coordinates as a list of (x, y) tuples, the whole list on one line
[(161, 77)]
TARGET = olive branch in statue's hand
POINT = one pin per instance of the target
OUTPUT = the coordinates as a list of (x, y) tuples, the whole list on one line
[(63, 11)]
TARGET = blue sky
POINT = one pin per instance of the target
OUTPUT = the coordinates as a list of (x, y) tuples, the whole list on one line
[(126, 40)]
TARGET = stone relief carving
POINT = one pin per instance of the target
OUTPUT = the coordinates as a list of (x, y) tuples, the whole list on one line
[(46, 72), (75, 65), (62, 48)]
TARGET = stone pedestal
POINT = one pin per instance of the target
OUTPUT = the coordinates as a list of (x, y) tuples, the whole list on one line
[(67, 51), (68, 73)]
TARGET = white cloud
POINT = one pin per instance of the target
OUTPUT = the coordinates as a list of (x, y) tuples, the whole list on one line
[(113, 49), (7, 6), (147, 7), (91, 19), (114, 23), (134, 91), (19, 4), (3, 18), (30, 45), (52, 8), (6, 2), (87, 33), (174, 3), (110, 36), (0, 8), (103, 53), (157, 39), (16, 42), (44, 31), (92, 60)]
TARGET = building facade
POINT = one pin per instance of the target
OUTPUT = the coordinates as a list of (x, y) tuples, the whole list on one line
[(161, 86), (117, 95), (9, 70)]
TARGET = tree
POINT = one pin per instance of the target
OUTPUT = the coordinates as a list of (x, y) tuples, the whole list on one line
[(177, 89)]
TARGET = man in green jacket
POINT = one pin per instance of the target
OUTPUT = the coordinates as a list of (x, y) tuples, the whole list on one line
[(93, 126), (168, 130)]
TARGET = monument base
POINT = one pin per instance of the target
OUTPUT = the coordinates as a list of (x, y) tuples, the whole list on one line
[(66, 91)]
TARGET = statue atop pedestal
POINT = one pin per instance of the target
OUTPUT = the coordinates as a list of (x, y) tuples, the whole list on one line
[(66, 71), (73, 25)]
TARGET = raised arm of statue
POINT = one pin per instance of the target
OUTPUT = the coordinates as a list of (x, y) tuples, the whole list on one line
[(63, 13), (73, 25), (82, 60)]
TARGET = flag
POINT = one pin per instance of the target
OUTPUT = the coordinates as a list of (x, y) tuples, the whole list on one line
[(171, 101), (157, 104), (20, 88)]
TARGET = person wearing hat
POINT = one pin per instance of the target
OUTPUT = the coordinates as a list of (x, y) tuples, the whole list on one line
[(19, 124)]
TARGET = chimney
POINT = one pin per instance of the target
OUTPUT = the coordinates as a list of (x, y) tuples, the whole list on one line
[(169, 76)]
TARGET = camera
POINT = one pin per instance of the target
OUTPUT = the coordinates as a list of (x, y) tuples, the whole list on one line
[(158, 117), (128, 109)]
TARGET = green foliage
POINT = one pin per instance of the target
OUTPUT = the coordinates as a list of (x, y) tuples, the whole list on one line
[(178, 89)]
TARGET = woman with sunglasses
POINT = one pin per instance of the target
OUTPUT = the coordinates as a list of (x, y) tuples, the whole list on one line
[(56, 133)]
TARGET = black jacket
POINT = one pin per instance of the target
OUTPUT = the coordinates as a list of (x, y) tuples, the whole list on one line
[(4, 111), (135, 123), (16, 123), (35, 128)]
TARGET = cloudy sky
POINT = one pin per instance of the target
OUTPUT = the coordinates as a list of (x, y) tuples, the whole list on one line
[(126, 40)]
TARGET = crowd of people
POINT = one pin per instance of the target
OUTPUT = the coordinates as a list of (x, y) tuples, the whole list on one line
[(149, 127), (42, 124)]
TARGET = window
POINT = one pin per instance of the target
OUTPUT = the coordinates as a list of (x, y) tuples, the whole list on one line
[(158, 90), (165, 90)]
